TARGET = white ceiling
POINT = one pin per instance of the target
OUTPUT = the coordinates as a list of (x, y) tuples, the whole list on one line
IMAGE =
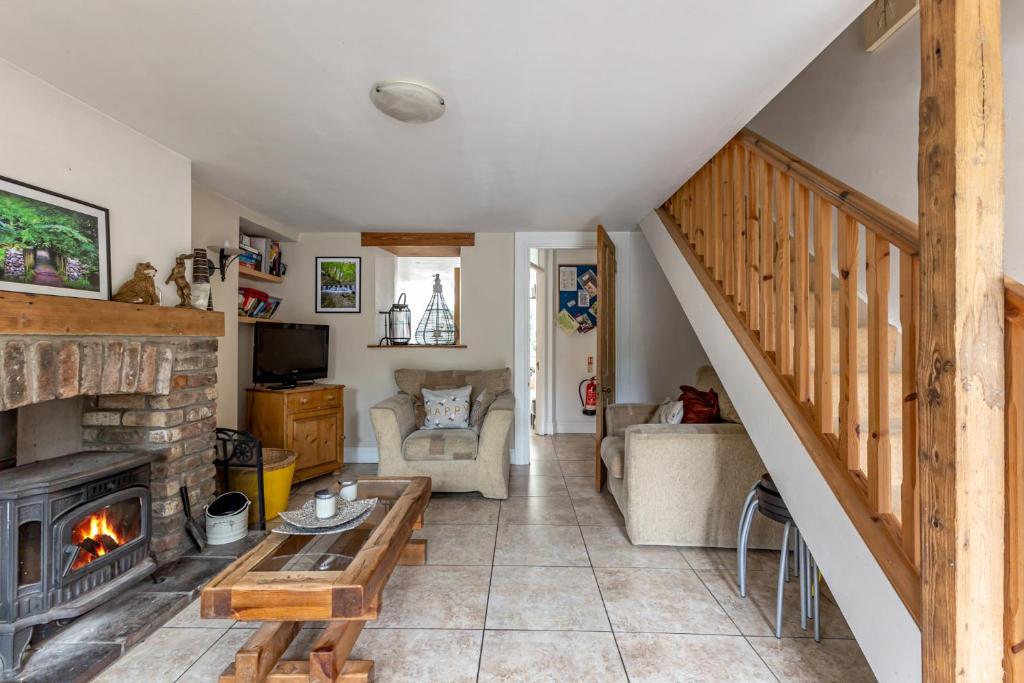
[(561, 113)]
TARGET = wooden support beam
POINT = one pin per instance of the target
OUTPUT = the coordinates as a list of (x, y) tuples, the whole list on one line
[(330, 652), (265, 646), (420, 243), (883, 18), (960, 364), (414, 553)]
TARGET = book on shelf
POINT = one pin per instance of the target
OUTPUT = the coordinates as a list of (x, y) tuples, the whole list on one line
[(254, 303), (274, 258), (250, 261), (261, 254), (260, 245)]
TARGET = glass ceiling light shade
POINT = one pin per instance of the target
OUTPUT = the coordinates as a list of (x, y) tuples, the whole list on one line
[(407, 101)]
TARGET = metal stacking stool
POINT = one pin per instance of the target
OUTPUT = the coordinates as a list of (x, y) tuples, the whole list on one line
[(764, 498)]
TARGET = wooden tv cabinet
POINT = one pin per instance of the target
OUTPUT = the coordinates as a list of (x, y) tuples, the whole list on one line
[(309, 420)]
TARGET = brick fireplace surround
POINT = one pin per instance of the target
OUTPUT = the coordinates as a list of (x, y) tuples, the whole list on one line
[(149, 378)]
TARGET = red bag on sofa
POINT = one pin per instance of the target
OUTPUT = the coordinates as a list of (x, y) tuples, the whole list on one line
[(699, 407)]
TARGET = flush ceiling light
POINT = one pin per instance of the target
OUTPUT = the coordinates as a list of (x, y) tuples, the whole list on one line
[(407, 101)]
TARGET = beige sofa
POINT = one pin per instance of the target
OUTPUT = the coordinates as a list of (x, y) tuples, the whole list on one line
[(683, 484), (456, 460)]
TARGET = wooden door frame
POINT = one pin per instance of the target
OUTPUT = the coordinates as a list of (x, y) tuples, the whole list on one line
[(544, 351), (604, 303), (524, 241)]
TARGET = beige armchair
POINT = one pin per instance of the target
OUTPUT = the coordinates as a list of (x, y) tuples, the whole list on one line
[(456, 460), (683, 484)]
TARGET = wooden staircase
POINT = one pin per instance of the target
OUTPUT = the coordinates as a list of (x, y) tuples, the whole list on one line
[(751, 223)]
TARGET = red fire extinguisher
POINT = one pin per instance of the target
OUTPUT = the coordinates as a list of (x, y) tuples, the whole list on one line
[(590, 400)]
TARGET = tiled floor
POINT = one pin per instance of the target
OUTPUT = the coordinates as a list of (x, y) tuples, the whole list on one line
[(545, 586)]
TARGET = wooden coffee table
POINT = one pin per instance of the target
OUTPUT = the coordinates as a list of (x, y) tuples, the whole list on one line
[(286, 580)]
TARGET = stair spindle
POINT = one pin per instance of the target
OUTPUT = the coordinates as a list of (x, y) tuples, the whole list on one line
[(849, 407), (879, 455), (823, 313), (764, 219)]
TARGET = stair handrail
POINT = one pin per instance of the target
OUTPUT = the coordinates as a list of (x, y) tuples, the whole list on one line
[(898, 229)]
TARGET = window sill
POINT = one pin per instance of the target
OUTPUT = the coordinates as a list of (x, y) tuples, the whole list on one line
[(417, 346)]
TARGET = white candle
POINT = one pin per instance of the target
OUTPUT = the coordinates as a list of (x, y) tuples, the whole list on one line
[(349, 489), (326, 504)]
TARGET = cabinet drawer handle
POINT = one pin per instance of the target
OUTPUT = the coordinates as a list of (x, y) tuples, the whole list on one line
[(329, 397), (303, 400)]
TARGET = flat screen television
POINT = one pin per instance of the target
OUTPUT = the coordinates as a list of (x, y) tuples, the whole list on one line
[(289, 353)]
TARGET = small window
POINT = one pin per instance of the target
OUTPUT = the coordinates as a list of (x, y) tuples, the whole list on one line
[(414, 277)]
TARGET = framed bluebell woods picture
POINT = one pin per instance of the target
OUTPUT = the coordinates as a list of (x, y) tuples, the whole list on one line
[(338, 284), (52, 244)]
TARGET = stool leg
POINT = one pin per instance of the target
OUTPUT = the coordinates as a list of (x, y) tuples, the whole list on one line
[(801, 559), (741, 551), (781, 587), (809, 560), (746, 504), (795, 566), (817, 602)]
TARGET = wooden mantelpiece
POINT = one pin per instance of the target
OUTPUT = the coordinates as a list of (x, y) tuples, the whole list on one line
[(39, 314)]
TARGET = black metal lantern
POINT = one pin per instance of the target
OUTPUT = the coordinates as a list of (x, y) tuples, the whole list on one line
[(436, 326), (397, 323)]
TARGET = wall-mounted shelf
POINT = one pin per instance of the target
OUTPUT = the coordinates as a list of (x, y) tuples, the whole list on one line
[(248, 320), (418, 346), (43, 314), (250, 274)]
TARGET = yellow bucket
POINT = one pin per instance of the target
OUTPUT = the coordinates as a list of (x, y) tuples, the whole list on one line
[(278, 469)]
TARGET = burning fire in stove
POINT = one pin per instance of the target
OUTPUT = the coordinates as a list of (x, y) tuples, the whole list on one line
[(95, 536)]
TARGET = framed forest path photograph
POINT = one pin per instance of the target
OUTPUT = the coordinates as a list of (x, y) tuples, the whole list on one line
[(52, 244)]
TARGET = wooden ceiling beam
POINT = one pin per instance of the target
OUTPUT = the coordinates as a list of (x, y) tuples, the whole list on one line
[(418, 239)]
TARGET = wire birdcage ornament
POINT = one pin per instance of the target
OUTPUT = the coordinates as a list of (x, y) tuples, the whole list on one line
[(437, 326)]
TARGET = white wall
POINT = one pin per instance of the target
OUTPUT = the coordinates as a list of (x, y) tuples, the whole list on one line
[(855, 115), (368, 373), (215, 218), (884, 629), (659, 350), (56, 142), (570, 352)]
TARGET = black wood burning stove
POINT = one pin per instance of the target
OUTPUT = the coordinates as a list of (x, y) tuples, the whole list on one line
[(74, 531)]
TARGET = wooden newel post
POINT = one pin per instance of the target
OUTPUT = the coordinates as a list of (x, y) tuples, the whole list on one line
[(960, 359)]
